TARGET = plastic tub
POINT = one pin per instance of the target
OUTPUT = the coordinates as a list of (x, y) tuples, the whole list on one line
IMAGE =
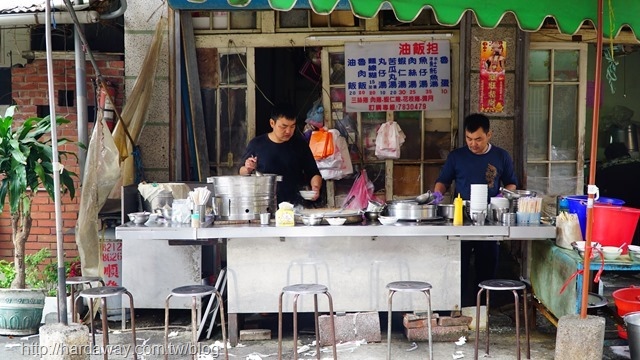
[(614, 225), (578, 205), (627, 301)]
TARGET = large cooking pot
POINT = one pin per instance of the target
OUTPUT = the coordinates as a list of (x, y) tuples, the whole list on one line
[(244, 197), (411, 210)]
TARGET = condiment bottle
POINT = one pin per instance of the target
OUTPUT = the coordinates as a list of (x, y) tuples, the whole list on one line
[(457, 210)]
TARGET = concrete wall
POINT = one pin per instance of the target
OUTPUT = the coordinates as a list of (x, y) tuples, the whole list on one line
[(140, 21)]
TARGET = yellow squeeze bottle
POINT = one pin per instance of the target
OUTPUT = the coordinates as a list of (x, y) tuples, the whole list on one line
[(457, 210)]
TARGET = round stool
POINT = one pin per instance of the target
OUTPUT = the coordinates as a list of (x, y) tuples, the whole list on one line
[(73, 283), (503, 285), (195, 292), (409, 286), (296, 291), (103, 293)]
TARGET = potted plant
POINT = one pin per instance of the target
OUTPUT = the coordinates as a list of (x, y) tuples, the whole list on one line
[(26, 166)]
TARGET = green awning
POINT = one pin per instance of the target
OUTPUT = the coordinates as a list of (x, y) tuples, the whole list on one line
[(568, 14)]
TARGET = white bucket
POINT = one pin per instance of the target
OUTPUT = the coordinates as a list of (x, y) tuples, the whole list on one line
[(220, 20)]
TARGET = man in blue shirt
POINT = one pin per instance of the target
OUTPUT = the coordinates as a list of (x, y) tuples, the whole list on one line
[(479, 162)]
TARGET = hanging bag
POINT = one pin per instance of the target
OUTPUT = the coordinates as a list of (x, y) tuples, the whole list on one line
[(388, 141), (361, 192), (321, 144)]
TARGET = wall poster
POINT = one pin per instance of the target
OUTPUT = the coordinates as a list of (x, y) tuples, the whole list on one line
[(397, 76), (493, 55)]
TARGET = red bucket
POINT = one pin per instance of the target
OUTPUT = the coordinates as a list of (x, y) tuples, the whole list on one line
[(627, 300), (614, 225)]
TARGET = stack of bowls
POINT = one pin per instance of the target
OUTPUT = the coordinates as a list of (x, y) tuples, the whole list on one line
[(479, 196), (634, 252)]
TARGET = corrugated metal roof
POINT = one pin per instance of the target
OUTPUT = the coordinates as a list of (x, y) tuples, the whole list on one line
[(30, 6)]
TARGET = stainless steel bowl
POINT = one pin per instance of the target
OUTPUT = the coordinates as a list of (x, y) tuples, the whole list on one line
[(372, 215), (311, 220), (446, 211), (139, 217)]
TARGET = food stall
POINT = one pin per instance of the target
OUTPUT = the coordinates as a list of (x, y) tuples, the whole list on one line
[(355, 260)]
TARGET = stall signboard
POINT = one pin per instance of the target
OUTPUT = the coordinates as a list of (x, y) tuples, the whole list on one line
[(398, 76), (493, 56)]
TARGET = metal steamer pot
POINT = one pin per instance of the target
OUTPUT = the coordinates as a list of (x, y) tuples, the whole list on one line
[(411, 210), (244, 197)]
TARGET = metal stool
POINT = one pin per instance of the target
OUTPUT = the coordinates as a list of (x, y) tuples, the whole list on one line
[(73, 282), (103, 293), (409, 286), (195, 292), (503, 285), (305, 289)]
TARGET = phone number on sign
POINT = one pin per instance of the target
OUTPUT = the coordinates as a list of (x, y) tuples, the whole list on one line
[(411, 106)]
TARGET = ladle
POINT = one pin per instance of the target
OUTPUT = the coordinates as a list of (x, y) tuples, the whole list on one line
[(622, 246), (423, 198)]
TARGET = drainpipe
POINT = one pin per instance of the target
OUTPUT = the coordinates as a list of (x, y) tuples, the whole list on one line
[(116, 13), (84, 17), (81, 97)]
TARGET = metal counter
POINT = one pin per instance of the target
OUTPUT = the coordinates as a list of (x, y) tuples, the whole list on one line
[(354, 261), (157, 231)]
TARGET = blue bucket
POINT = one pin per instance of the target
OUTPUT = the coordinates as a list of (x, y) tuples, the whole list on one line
[(578, 205)]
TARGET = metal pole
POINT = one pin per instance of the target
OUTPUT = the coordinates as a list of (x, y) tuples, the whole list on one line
[(81, 96), (592, 165), (57, 167)]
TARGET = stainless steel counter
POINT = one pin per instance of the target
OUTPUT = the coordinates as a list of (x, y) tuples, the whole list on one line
[(153, 230), (355, 261)]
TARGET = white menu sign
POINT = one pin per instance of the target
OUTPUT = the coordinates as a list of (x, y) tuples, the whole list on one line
[(398, 76)]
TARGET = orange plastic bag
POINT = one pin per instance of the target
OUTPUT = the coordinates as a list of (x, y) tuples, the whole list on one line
[(321, 144)]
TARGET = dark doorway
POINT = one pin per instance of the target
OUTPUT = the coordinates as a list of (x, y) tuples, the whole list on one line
[(284, 75)]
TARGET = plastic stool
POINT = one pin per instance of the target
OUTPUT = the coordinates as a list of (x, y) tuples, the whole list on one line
[(73, 282), (195, 292), (409, 286), (305, 289), (503, 285), (103, 293)]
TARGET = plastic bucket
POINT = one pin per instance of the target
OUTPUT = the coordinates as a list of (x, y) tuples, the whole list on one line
[(627, 301), (578, 205), (614, 225), (632, 320)]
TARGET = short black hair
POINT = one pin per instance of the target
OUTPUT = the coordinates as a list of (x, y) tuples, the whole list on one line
[(283, 110), (474, 122), (616, 150)]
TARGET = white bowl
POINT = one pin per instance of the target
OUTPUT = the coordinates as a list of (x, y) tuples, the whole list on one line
[(634, 252), (611, 252), (335, 221), (579, 247), (307, 194), (387, 220)]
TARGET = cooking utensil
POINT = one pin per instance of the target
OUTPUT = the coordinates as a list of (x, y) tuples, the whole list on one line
[(424, 198), (346, 203), (446, 211), (411, 210)]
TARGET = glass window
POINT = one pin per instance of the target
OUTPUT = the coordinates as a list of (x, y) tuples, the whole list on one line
[(539, 65), (557, 83)]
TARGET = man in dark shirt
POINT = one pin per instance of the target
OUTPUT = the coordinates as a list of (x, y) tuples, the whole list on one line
[(283, 151), (479, 162)]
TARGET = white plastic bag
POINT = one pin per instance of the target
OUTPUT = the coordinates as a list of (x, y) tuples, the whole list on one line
[(567, 229), (389, 139), (337, 165)]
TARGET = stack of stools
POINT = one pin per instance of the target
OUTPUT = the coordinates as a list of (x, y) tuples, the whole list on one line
[(76, 281), (102, 293), (195, 292), (409, 286), (503, 285), (296, 291)]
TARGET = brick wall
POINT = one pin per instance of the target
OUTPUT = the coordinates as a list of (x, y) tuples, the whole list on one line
[(30, 90)]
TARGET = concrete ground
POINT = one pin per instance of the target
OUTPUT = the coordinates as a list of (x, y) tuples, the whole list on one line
[(150, 339)]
